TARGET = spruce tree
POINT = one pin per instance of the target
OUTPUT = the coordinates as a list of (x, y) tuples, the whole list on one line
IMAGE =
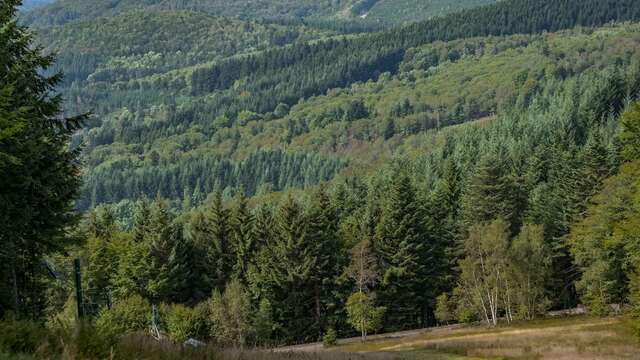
[(197, 234), (327, 252), (286, 270), (243, 237), (183, 283), (220, 252), (486, 196), (404, 250), (40, 170), (443, 208), (159, 239)]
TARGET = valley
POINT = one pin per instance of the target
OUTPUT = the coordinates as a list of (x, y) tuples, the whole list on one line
[(335, 179)]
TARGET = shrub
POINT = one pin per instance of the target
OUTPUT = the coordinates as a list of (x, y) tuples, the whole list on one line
[(183, 322), (20, 336), (363, 315), (129, 315), (65, 318), (444, 309), (465, 315), (330, 338), (82, 341)]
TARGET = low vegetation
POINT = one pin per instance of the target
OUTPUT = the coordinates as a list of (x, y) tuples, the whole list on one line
[(565, 338)]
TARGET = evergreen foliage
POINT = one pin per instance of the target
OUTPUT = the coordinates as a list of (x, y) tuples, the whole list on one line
[(445, 177), (40, 172)]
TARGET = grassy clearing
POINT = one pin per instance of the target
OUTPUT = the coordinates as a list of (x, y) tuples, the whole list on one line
[(566, 339)]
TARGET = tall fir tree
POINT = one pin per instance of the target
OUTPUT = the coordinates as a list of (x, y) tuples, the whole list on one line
[(198, 237), (405, 252), (40, 170), (286, 271), (220, 254), (328, 253), (487, 195), (243, 237)]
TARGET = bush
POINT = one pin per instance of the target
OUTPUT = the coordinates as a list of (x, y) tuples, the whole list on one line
[(129, 315), (20, 336), (81, 341), (465, 315), (183, 322), (444, 309), (330, 338)]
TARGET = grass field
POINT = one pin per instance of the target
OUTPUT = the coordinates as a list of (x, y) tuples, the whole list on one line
[(581, 338)]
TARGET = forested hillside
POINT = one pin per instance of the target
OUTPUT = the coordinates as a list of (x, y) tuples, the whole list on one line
[(256, 180), (372, 12), (405, 11), (164, 131), (136, 44)]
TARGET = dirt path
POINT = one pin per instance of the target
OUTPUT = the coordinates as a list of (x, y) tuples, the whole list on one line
[(313, 347)]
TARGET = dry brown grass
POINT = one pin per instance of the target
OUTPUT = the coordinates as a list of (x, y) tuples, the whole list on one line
[(562, 339)]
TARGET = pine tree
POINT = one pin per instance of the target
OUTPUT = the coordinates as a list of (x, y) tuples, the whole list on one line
[(197, 233), (141, 218), (443, 208), (286, 269), (630, 135), (404, 250), (486, 196), (159, 239), (243, 237), (263, 323), (182, 280), (220, 255), (40, 171), (327, 252), (596, 167)]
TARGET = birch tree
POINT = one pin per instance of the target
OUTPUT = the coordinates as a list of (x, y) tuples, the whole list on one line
[(363, 268), (484, 269), (530, 266)]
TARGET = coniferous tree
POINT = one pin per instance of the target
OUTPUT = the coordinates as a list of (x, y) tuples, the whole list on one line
[(443, 208), (141, 218), (40, 171), (159, 240), (405, 252), (184, 286), (102, 252), (286, 270), (220, 255), (487, 194), (322, 229), (243, 237), (197, 233)]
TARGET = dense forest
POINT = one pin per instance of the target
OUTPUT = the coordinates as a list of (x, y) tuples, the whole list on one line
[(159, 109), (261, 182), (365, 13)]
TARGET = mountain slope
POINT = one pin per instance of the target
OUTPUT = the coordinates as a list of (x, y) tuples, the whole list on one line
[(438, 85), (387, 12), (176, 113), (139, 43), (402, 11)]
